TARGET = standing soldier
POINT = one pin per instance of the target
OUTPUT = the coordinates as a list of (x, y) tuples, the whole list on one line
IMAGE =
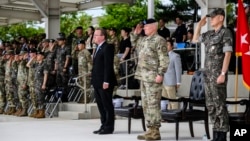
[(113, 39), (72, 41), (31, 80), (14, 82), (22, 82), (2, 87), (8, 83), (85, 65), (153, 63), (50, 62), (41, 77), (62, 65), (218, 47)]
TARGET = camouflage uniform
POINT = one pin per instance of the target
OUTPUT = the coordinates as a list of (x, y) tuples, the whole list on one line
[(153, 61), (62, 77), (22, 81), (85, 65), (9, 88), (74, 53), (40, 71), (216, 43), (50, 62), (2, 86), (114, 40), (14, 82), (31, 83)]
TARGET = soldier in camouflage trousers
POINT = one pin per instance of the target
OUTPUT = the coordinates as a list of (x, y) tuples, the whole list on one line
[(2, 86), (9, 88), (152, 64), (41, 77), (22, 82), (218, 49), (113, 39), (85, 65), (31, 81)]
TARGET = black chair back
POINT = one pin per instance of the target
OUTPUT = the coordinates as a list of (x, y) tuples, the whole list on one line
[(197, 89)]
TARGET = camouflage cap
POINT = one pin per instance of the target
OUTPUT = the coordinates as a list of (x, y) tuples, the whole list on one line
[(9, 52), (45, 40), (215, 12), (41, 53), (22, 52)]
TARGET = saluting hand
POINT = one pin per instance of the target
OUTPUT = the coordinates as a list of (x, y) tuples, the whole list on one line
[(203, 21)]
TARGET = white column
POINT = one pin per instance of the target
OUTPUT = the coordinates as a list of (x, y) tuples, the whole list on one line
[(151, 8), (206, 7), (53, 19)]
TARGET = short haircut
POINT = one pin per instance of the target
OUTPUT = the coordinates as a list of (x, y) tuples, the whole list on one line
[(171, 42), (92, 28), (103, 32)]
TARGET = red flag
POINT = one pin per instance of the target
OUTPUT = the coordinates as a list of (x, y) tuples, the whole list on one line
[(243, 43)]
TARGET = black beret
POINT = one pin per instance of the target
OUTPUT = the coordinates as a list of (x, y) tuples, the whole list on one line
[(215, 12), (61, 36), (149, 21), (32, 50), (51, 40), (81, 42)]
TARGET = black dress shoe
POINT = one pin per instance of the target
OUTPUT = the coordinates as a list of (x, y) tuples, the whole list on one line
[(103, 132), (97, 131)]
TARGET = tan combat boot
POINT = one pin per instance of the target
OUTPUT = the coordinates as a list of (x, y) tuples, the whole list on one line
[(155, 134), (23, 113), (12, 111), (1, 110), (143, 137), (41, 114), (18, 111), (34, 114)]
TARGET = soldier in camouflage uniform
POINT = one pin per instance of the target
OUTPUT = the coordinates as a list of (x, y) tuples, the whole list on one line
[(14, 82), (9, 88), (218, 48), (2, 86), (113, 39), (85, 65), (153, 62), (62, 65), (72, 41), (50, 61), (22, 82), (31, 81), (41, 77)]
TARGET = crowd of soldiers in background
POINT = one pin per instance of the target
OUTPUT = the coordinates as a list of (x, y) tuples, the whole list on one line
[(30, 68)]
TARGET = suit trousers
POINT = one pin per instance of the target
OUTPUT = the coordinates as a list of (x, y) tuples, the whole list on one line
[(170, 92), (104, 100)]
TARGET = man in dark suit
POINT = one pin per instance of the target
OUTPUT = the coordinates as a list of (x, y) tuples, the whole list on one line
[(103, 81)]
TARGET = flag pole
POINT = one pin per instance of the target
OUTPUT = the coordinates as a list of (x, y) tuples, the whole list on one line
[(236, 83)]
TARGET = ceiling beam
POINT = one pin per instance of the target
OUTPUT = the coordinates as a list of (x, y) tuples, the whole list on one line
[(2, 2), (40, 5), (20, 14)]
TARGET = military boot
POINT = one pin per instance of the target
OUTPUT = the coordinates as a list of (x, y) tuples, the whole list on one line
[(12, 111), (7, 111), (1, 110), (41, 114), (18, 111), (221, 136), (155, 134), (215, 135), (143, 137), (23, 113), (34, 114)]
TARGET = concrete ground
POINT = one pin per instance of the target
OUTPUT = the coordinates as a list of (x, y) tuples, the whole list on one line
[(58, 129)]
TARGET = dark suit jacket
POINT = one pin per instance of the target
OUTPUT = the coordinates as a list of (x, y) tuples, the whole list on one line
[(103, 66)]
